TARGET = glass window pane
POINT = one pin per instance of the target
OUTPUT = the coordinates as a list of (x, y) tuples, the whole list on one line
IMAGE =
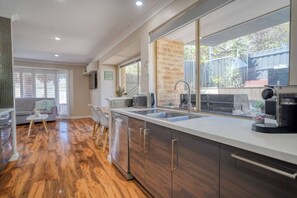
[(50, 85), (39, 85), (238, 60), (27, 85), (130, 78), (62, 87), (176, 60)]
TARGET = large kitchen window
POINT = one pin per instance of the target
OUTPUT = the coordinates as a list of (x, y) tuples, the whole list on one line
[(43, 83), (176, 60), (130, 77), (242, 54), (243, 46)]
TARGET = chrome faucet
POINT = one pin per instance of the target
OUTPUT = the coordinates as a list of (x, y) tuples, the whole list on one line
[(189, 93)]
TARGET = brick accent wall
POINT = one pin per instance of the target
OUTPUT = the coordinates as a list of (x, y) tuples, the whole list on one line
[(170, 68)]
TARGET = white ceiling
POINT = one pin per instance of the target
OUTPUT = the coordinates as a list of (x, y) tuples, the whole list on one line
[(86, 27)]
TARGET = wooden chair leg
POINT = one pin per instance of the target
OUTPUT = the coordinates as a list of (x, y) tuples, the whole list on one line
[(105, 139), (45, 125), (30, 127), (98, 138), (96, 127), (101, 138)]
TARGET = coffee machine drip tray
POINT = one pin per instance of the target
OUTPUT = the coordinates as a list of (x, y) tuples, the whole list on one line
[(272, 128)]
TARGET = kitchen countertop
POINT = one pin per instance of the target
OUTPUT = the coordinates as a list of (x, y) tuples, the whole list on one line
[(5, 111), (231, 131)]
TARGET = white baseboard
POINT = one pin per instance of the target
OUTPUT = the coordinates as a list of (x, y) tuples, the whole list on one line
[(75, 117)]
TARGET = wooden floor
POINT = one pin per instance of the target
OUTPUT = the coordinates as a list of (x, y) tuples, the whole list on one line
[(63, 163)]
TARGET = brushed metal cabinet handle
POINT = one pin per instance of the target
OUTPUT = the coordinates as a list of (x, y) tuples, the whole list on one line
[(269, 168), (174, 166), (140, 140), (145, 139)]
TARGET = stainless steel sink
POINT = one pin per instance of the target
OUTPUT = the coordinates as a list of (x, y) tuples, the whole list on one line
[(173, 116), (185, 117), (164, 114), (168, 115)]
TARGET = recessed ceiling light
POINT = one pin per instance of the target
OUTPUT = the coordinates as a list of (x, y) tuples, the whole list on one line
[(57, 38), (57, 55), (139, 3)]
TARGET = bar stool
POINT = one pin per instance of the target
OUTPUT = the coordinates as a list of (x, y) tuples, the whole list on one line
[(104, 124), (96, 119)]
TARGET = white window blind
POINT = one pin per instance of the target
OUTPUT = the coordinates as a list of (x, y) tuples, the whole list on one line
[(39, 84), (202, 8), (27, 85), (17, 84), (43, 83), (50, 86)]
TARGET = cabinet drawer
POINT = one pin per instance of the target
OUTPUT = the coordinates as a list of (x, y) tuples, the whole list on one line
[(249, 175)]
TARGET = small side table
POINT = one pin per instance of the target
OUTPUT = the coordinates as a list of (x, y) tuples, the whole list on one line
[(33, 118)]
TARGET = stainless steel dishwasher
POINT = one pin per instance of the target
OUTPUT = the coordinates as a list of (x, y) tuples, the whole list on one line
[(120, 144)]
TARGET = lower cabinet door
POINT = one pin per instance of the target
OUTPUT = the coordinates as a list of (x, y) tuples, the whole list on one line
[(195, 167), (136, 154), (157, 150), (249, 175)]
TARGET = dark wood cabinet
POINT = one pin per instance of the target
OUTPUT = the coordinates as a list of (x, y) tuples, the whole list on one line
[(249, 175), (157, 149), (170, 163), (195, 166), (6, 73), (137, 160), (150, 156)]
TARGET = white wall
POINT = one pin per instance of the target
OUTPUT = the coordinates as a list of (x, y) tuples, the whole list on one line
[(105, 88)]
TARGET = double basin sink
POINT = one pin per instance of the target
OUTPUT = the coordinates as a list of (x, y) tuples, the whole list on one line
[(170, 116)]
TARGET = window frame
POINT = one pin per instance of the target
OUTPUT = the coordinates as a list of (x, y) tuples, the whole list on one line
[(127, 64), (198, 47), (292, 79), (45, 71)]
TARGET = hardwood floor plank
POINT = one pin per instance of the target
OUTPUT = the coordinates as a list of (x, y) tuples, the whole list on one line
[(52, 189), (23, 184), (37, 189), (63, 163)]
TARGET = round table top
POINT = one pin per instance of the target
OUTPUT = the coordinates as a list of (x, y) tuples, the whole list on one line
[(40, 117)]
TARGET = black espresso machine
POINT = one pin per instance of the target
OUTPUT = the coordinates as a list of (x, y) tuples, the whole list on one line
[(280, 106)]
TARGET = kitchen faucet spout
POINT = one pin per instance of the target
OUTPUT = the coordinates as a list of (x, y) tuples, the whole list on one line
[(189, 93)]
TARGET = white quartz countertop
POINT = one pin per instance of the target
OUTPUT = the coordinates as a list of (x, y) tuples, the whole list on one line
[(5, 111), (231, 131)]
